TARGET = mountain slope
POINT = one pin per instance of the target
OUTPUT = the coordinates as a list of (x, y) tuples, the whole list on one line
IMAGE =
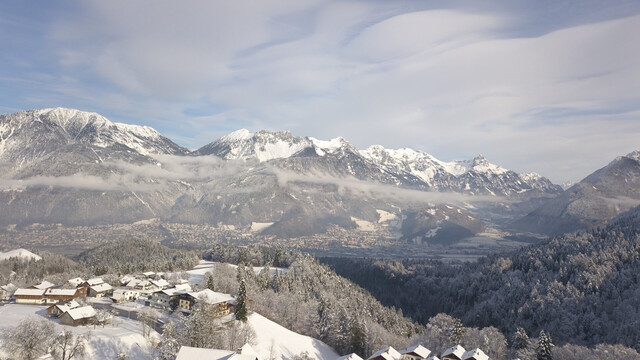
[(593, 201)]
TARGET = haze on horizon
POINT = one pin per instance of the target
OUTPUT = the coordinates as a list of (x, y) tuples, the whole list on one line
[(551, 86)]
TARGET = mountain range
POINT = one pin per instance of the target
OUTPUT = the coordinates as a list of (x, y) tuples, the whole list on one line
[(78, 168)]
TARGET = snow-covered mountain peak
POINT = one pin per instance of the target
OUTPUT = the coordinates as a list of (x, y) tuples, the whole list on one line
[(238, 135), (635, 155), (482, 165)]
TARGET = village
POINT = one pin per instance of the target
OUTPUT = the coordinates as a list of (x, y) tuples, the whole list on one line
[(94, 302)]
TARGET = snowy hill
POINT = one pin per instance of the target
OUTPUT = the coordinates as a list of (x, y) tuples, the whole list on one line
[(275, 341), (19, 253)]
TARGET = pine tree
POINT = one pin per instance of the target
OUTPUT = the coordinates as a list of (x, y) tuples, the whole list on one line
[(543, 352), (456, 332), (210, 284), (241, 302), (169, 344), (521, 340)]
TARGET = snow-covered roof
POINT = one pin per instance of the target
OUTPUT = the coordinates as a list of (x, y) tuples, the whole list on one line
[(101, 287), (148, 273), (44, 285), (455, 350), (125, 279), (95, 281), (66, 307), (76, 281), (185, 287), (210, 297), (82, 312), (160, 283), (433, 357), (29, 292), (419, 350), (352, 356), (388, 353), (9, 287), (475, 354), (61, 292)]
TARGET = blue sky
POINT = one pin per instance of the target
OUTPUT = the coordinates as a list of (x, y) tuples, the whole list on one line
[(545, 86)]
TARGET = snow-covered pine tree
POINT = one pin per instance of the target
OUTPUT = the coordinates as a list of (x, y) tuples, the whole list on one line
[(241, 302), (544, 350)]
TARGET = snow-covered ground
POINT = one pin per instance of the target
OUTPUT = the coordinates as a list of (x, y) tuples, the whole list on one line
[(197, 274), (19, 253), (275, 341), (123, 335)]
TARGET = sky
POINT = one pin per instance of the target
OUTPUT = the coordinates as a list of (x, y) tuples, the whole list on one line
[(548, 86)]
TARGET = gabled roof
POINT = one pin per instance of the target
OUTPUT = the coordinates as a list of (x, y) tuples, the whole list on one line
[(352, 356), (476, 354), (388, 353), (455, 350), (433, 357), (76, 281), (95, 281), (148, 273), (185, 287), (81, 313), (29, 292), (60, 292), (418, 350), (160, 283), (44, 285), (210, 297), (101, 287)]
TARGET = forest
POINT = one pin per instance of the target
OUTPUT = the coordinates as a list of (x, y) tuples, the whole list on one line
[(581, 288)]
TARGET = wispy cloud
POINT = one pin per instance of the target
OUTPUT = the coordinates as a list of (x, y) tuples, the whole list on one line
[(455, 80)]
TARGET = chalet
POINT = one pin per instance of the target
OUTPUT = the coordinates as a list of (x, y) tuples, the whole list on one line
[(388, 353), (246, 352), (75, 282), (6, 291), (453, 353), (59, 309), (219, 302), (56, 296), (29, 296), (100, 290), (160, 284), (124, 295), (92, 282), (42, 286), (149, 274), (126, 279), (475, 354), (140, 284), (352, 356), (416, 352), (169, 298), (85, 315)]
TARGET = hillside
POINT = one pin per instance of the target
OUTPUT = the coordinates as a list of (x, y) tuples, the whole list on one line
[(573, 286)]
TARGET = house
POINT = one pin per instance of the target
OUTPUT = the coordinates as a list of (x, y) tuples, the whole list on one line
[(453, 353), (85, 315), (55, 296), (246, 352), (42, 286), (475, 354), (219, 302), (100, 290), (75, 282), (169, 298), (29, 296), (124, 295), (433, 357), (352, 356), (92, 282), (126, 279), (59, 309), (141, 284), (388, 353), (6, 291), (416, 352), (160, 284), (149, 274)]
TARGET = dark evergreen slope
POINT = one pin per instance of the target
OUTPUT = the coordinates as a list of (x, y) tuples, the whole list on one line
[(580, 288), (131, 255)]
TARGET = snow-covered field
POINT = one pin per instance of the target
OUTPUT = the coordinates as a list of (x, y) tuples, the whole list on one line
[(275, 341), (124, 335), (19, 253), (197, 274)]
